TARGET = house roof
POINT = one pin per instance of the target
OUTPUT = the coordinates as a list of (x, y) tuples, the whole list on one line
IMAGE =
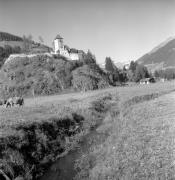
[(72, 50), (58, 37)]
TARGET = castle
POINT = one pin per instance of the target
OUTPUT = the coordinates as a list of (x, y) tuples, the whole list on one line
[(59, 48), (64, 50)]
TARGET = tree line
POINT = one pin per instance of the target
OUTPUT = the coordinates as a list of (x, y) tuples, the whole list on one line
[(134, 73), (6, 51), (9, 37), (165, 73)]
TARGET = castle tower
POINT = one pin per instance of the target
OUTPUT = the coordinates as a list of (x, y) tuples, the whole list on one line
[(58, 44)]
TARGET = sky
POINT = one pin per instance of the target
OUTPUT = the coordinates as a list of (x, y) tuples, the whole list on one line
[(121, 29)]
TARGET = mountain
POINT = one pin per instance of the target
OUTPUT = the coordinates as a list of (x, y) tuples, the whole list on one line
[(161, 57)]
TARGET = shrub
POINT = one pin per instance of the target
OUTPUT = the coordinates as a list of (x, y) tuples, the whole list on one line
[(89, 77)]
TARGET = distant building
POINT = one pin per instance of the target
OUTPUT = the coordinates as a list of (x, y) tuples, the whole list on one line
[(64, 50), (147, 81), (126, 66)]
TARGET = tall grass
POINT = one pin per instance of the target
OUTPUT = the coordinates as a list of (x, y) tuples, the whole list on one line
[(28, 148), (126, 152), (48, 126)]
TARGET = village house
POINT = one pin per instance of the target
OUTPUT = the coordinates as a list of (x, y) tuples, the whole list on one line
[(147, 80)]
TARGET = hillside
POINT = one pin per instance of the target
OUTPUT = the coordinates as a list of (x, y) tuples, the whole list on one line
[(43, 74), (161, 57), (12, 44), (10, 40), (9, 37)]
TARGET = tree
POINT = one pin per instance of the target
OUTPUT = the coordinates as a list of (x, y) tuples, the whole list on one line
[(115, 74), (133, 66), (89, 77), (41, 41), (109, 65), (16, 49), (88, 58), (137, 72), (27, 43), (156, 74), (141, 72), (167, 73)]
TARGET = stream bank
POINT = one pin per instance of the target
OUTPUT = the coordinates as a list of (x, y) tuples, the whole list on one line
[(36, 146), (78, 162)]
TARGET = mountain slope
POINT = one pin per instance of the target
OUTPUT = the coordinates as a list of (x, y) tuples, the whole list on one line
[(161, 57)]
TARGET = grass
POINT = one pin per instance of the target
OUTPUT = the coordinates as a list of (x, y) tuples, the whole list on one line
[(40, 134), (42, 108), (45, 125), (140, 141)]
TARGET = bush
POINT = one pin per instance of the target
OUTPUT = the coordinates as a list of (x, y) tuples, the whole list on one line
[(89, 77)]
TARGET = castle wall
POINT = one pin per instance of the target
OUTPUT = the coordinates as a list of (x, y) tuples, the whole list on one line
[(56, 45), (59, 48), (64, 52), (74, 56)]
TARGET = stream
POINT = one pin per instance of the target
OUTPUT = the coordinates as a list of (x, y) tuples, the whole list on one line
[(63, 168)]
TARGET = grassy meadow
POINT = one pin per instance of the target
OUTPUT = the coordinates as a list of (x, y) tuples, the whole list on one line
[(140, 138), (49, 125), (42, 108)]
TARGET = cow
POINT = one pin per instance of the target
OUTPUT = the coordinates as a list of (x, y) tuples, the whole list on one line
[(9, 102), (14, 101), (18, 101)]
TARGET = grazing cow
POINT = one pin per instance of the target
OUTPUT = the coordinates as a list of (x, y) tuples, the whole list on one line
[(18, 101), (15, 101), (9, 102)]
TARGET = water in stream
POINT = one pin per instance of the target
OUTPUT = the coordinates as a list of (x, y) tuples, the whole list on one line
[(63, 168)]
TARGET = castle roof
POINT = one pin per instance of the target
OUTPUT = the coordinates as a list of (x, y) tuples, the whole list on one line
[(58, 37)]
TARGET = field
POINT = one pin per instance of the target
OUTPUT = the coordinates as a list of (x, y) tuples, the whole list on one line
[(135, 131), (140, 144), (43, 108)]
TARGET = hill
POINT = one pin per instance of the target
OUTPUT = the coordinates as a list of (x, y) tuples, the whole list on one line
[(12, 44), (9, 37), (42, 74), (161, 57)]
